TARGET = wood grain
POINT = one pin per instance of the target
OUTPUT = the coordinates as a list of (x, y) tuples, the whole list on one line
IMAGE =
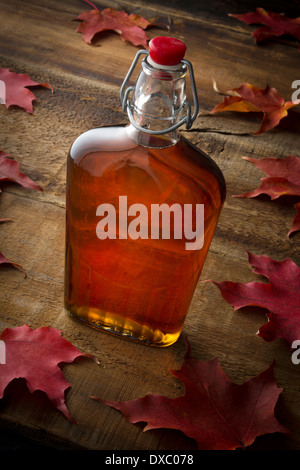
[(39, 38)]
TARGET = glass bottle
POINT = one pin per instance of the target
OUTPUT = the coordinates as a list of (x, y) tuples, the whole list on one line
[(134, 194)]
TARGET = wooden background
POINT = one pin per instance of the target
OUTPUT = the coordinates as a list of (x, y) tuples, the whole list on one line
[(39, 38)]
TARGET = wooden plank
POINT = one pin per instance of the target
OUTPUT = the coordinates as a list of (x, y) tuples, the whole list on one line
[(86, 94)]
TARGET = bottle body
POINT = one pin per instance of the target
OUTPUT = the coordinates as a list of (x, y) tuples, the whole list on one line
[(122, 274)]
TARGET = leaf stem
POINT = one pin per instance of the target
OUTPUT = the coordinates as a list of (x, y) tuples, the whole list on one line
[(92, 5)]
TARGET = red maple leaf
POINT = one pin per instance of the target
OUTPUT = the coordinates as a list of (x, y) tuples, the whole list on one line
[(4, 260), (280, 296), (34, 355), (248, 98), (283, 178), (9, 171), (296, 222), (15, 91), (276, 24), (130, 27), (217, 413)]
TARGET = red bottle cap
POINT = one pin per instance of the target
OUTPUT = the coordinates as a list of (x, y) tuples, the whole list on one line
[(166, 50)]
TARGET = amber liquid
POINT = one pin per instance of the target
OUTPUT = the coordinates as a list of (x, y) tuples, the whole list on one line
[(140, 289)]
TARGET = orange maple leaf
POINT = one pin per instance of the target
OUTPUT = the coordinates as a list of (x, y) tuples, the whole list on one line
[(247, 98)]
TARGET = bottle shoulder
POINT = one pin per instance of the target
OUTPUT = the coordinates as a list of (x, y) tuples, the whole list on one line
[(116, 146), (106, 139)]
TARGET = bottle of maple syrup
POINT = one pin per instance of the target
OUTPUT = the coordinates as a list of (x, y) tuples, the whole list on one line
[(142, 206)]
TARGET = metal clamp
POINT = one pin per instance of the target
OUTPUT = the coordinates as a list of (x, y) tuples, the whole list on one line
[(126, 106)]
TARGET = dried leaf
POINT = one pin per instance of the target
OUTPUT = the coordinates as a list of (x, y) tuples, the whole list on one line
[(4, 260), (248, 98), (130, 27), (217, 413), (276, 24), (34, 355), (9, 171), (296, 222), (15, 90), (280, 296), (283, 178)]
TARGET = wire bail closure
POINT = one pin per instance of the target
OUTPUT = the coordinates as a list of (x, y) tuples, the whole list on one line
[(127, 106)]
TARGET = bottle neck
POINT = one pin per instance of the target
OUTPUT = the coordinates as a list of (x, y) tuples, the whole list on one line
[(158, 103)]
